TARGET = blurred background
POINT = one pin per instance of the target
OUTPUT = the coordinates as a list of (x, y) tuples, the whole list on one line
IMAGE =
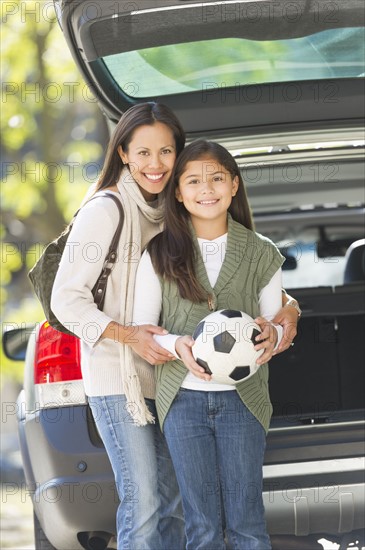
[(53, 137)]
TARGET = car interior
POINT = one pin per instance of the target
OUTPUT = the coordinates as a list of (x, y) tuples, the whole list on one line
[(320, 231)]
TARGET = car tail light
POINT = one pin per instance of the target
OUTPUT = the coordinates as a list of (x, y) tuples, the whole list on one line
[(57, 369)]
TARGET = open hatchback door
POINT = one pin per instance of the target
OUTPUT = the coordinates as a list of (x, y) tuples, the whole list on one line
[(222, 65)]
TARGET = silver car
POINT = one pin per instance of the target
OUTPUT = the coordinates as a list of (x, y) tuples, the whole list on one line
[(281, 85)]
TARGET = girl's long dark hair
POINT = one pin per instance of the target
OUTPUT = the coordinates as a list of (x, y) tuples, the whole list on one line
[(138, 115), (172, 251)]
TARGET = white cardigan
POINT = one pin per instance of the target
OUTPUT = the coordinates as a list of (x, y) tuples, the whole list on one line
[(73, 304)]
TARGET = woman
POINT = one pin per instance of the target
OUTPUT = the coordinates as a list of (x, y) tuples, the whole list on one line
[(119, 384)]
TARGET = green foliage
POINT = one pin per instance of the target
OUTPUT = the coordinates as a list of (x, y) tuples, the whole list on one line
[(44, 104), (13, 261), (51, 147), (29, 309)]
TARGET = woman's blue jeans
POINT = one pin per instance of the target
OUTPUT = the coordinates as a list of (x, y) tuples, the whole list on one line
[(217, 447), (149, 515)]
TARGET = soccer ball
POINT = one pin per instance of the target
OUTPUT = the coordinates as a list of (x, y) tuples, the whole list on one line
[(224, 346)]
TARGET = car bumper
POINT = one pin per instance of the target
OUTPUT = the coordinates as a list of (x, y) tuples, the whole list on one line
[(315, 497), (81, 497), (301, 498)]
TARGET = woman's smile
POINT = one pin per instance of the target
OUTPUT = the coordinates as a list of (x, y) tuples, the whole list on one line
[(155, 177), (150, 157)]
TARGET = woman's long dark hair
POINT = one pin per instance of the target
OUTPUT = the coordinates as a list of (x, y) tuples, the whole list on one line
[(172, 251), (138, 115)]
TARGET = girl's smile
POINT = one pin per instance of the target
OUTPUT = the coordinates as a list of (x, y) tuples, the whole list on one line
[(208, 203), (206, 189)]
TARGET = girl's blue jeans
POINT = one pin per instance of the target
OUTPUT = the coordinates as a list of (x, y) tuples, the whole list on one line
[(149, 515), (217, 447)]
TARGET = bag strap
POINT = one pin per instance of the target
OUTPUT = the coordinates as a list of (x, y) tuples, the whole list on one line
[(100, 286)]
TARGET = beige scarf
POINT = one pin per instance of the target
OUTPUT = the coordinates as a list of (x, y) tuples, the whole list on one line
[(133, 202)]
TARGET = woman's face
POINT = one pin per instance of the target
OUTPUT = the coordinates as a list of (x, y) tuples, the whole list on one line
[(151, 157)]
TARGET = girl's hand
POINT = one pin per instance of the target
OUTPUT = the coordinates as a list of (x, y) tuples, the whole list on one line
[(266, 340), (142, 342), (288, 318), (183, 347)]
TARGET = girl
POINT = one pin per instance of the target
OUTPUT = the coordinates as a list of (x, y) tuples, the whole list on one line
[(209, 258)]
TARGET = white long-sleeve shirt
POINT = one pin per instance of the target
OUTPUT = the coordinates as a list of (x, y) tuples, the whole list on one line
[(148, 301)]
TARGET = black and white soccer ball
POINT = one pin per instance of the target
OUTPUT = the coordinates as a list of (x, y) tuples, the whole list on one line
[(224, 346)]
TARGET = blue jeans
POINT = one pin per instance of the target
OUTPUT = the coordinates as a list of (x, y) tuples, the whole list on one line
[(149, 515), (217, 447)]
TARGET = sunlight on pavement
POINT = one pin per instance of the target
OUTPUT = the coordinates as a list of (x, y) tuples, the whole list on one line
[(16, 517)]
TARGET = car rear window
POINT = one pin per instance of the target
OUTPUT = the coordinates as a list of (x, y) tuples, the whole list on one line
[(234, 62)]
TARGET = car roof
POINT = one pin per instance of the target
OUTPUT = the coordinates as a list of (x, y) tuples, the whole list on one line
[(97, 31)]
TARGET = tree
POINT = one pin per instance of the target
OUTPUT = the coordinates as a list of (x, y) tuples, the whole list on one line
[(53, 137)]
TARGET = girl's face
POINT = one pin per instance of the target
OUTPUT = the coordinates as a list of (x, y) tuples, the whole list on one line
[(151, 156), (206, 189)]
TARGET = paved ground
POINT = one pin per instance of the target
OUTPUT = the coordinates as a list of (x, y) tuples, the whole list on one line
[(16, 516)]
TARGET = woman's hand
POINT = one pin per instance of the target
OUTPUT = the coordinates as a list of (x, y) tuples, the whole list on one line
[(142, 342), (183, 347), (288, 318), (266, 340)]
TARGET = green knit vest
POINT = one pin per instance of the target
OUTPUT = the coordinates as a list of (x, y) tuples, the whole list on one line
[(250, 262)]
